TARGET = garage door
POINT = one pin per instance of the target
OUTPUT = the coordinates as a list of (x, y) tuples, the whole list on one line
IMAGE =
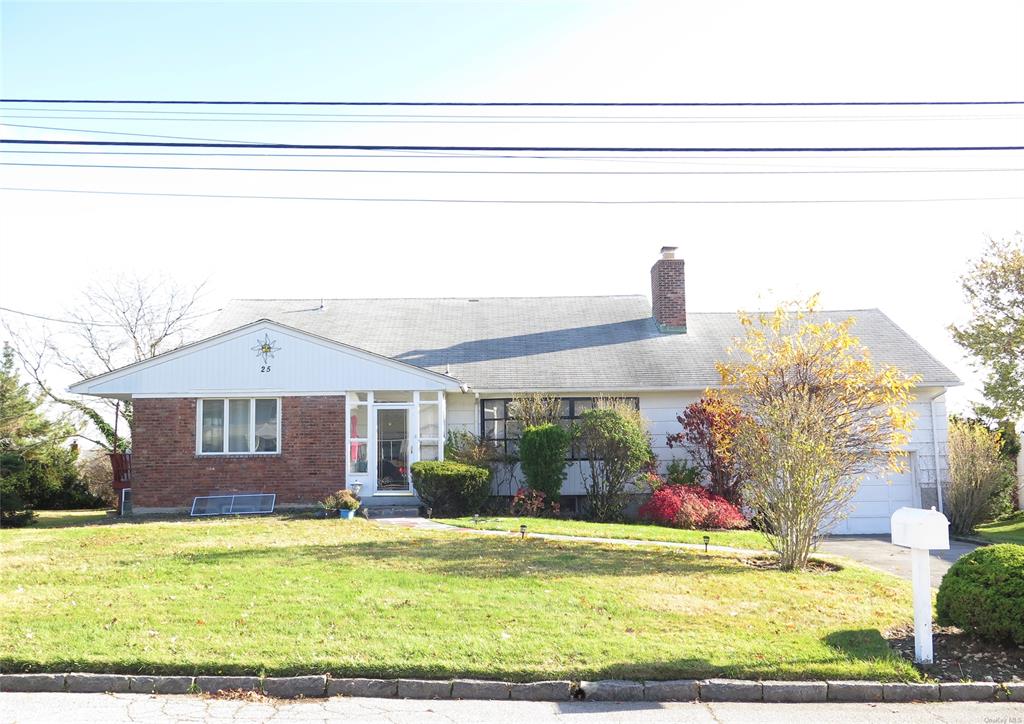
[(876, 499)]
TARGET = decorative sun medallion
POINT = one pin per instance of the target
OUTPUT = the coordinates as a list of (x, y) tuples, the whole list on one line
[(266, 347)]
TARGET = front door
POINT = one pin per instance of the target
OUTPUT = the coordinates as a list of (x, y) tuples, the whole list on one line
[(393, 449)]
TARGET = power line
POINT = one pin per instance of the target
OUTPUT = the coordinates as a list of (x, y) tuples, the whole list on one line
[(516, 201), (542, 104), (705, 159), (509, 173), (564, 149), (320, 114), (120, 133), (88, 324), (512, 120)]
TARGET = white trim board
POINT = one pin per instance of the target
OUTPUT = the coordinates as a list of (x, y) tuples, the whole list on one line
[(310, 369)]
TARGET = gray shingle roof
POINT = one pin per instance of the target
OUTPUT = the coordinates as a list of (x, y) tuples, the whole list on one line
[(556, 343)]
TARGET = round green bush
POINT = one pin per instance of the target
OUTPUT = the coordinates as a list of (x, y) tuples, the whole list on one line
[(983, 593), (451, 488)]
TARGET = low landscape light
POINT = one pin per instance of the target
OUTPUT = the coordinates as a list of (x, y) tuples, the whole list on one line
[(476, 519), (707, 539), (522, 530)]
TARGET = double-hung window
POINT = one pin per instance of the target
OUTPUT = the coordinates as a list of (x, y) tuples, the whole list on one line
[(238, 426)]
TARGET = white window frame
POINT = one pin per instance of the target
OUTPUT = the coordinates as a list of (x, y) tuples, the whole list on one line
[(439, 440), (352, 401), (227, 426)]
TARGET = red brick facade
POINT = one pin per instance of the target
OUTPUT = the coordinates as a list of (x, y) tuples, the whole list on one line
[(167, 472), (668, 294)]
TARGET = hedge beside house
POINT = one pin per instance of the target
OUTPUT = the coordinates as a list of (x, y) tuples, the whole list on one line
[(451, 488)]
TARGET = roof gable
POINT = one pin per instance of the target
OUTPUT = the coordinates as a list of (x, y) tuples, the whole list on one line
[(263, 357)]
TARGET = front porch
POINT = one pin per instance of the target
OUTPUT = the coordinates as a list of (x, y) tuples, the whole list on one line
[(386, 432)]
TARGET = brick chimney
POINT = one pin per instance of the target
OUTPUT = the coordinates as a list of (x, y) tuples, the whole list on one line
[(668, 292)]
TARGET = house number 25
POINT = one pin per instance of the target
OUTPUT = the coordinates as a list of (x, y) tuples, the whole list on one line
[(264, 368)]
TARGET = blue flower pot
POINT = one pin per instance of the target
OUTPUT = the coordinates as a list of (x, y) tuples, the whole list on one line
[(346, 514)]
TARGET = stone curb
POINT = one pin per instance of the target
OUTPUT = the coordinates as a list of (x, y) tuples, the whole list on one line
[(964, 691), (855, 691), (794, 692), (213, 684), (611, 690), (475, 689), (542, 691), (98, 683), (162, 684), (295, 687), (373, 688), (731, 690), (710, 690), (910, 692)]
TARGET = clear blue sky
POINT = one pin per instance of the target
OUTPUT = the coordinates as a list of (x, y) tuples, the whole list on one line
[(284, 50)]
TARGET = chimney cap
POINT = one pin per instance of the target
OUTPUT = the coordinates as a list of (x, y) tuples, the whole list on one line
[(668, 252)]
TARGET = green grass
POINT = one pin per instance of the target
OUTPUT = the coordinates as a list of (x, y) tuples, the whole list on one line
[(71, 518), (632, 531), (285, 595), (1006, 530)]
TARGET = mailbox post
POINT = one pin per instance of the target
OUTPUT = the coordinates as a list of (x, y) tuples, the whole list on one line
[(921, 531)]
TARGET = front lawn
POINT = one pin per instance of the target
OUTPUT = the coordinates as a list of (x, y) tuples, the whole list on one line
[(632, 531), (1007, 530), (283, 595)]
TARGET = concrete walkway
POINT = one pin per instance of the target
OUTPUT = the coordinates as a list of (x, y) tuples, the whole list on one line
[(874, 551), (877, 552), (143, 708)]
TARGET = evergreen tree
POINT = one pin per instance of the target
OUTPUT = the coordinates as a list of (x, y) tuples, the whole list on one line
[(33, 463)]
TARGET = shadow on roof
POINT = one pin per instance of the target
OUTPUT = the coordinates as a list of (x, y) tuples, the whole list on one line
[(527, 345)]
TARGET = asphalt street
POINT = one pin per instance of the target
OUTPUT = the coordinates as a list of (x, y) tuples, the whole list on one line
[(142, 708)]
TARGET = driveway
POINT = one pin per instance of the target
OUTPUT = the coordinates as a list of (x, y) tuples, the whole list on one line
[(138, 708), (876, 551)]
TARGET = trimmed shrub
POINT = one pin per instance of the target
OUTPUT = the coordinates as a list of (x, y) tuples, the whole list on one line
[(983, 593), (691, 506), (451, 488), (542, 451)]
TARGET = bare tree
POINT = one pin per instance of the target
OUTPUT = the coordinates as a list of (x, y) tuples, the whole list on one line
[(530, 409), (116, 322)]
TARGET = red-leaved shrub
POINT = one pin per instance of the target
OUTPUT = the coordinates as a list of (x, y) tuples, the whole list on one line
[(533, 503), (691, 506)]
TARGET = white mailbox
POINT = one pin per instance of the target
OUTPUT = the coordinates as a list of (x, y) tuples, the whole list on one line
[(921, 531), (917, 528)]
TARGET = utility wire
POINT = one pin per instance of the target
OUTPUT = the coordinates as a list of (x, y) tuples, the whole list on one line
[(121, 133), (430, 156), (575, 149), (320, 114), (510, 173), (515, 201), (542, 104), (509, 120), (88, 324)]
